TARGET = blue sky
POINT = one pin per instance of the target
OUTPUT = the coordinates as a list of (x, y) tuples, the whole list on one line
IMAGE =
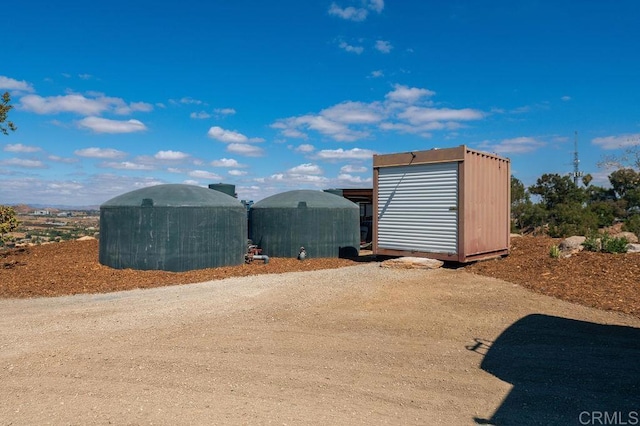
[(273, 96)]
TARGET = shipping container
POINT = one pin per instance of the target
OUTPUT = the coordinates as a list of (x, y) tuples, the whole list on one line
[(450, 204)]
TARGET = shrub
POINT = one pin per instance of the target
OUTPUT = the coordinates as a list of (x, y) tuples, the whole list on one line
[(571, 219), (592, 243), (554, 251), (632, 224), (614, 244)]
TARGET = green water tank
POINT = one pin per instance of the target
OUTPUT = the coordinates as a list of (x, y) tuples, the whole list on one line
[(172, 228), (325, 224)]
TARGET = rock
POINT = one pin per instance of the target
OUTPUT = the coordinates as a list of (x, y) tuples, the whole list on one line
[(515, 235), (85, 238), (572, 244), (633, 248), (630, 236), (412, 263)]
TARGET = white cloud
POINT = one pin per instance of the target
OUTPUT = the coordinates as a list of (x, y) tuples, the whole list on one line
[(321, 124), (190, 182), (170, 155), (85, 76), (7, 83), (235, 172), (92, 191), (65, 188), (200, 115), (58, 104), (350, 179), (203, 174), (105, 125), (138, 106), (420, 129), (349, 13), (376, 5), (348, 154), (566, 98), (383, 46), (349, 168), (376, 74), (296, 178), (226, 136), (18, 147), (225, 111), (230, 136), (21, 162), (350, 48), (405, 110), (125, 165), (226, 162), (59, 159), (419, 115), (353, 113), (190, 101), (80, 104), (617, 142), (407, 94), (359, 14), (294, 133), (245, 149), (520, 145), (306, 169), (305, 147), (100, 153)]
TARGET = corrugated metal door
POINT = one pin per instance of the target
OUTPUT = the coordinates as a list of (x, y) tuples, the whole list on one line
[(418, 208)]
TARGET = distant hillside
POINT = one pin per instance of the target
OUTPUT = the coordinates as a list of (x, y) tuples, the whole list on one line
[(24, 208)]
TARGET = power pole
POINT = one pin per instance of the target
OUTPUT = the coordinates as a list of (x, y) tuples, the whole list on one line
[(576, 161)]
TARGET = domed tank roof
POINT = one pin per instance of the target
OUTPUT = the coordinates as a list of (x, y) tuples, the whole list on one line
[(173, 195), (313, 199)]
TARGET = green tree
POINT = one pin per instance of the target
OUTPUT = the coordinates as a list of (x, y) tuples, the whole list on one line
[(8, 221), (624, 181), (606, 211), (571, 218), (554, 190), (519, 202), (5, 107), (533, 216), (599, 193)]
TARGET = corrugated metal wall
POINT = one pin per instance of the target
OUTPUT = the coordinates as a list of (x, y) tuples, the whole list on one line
[(487, 203), (417, 207)]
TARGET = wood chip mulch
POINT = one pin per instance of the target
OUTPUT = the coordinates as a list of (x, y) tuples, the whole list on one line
[(72, 267), (600, 280)]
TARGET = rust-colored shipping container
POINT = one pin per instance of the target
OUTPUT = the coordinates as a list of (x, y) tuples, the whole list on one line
[(448, 204)]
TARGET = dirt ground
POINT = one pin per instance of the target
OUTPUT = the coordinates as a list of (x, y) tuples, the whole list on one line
[(605, 281), (353, 345)]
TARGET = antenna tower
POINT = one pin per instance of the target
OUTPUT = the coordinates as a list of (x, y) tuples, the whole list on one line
[(576, 161)]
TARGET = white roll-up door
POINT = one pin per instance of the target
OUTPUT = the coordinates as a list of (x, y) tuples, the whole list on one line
[(418, 208)]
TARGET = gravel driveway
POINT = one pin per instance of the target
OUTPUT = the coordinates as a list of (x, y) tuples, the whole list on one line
[(357, 345)]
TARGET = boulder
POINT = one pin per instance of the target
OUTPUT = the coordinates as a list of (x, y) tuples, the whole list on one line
[(630, 236), (85, 238), (633, 248), (412, 263), (572, 244)]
